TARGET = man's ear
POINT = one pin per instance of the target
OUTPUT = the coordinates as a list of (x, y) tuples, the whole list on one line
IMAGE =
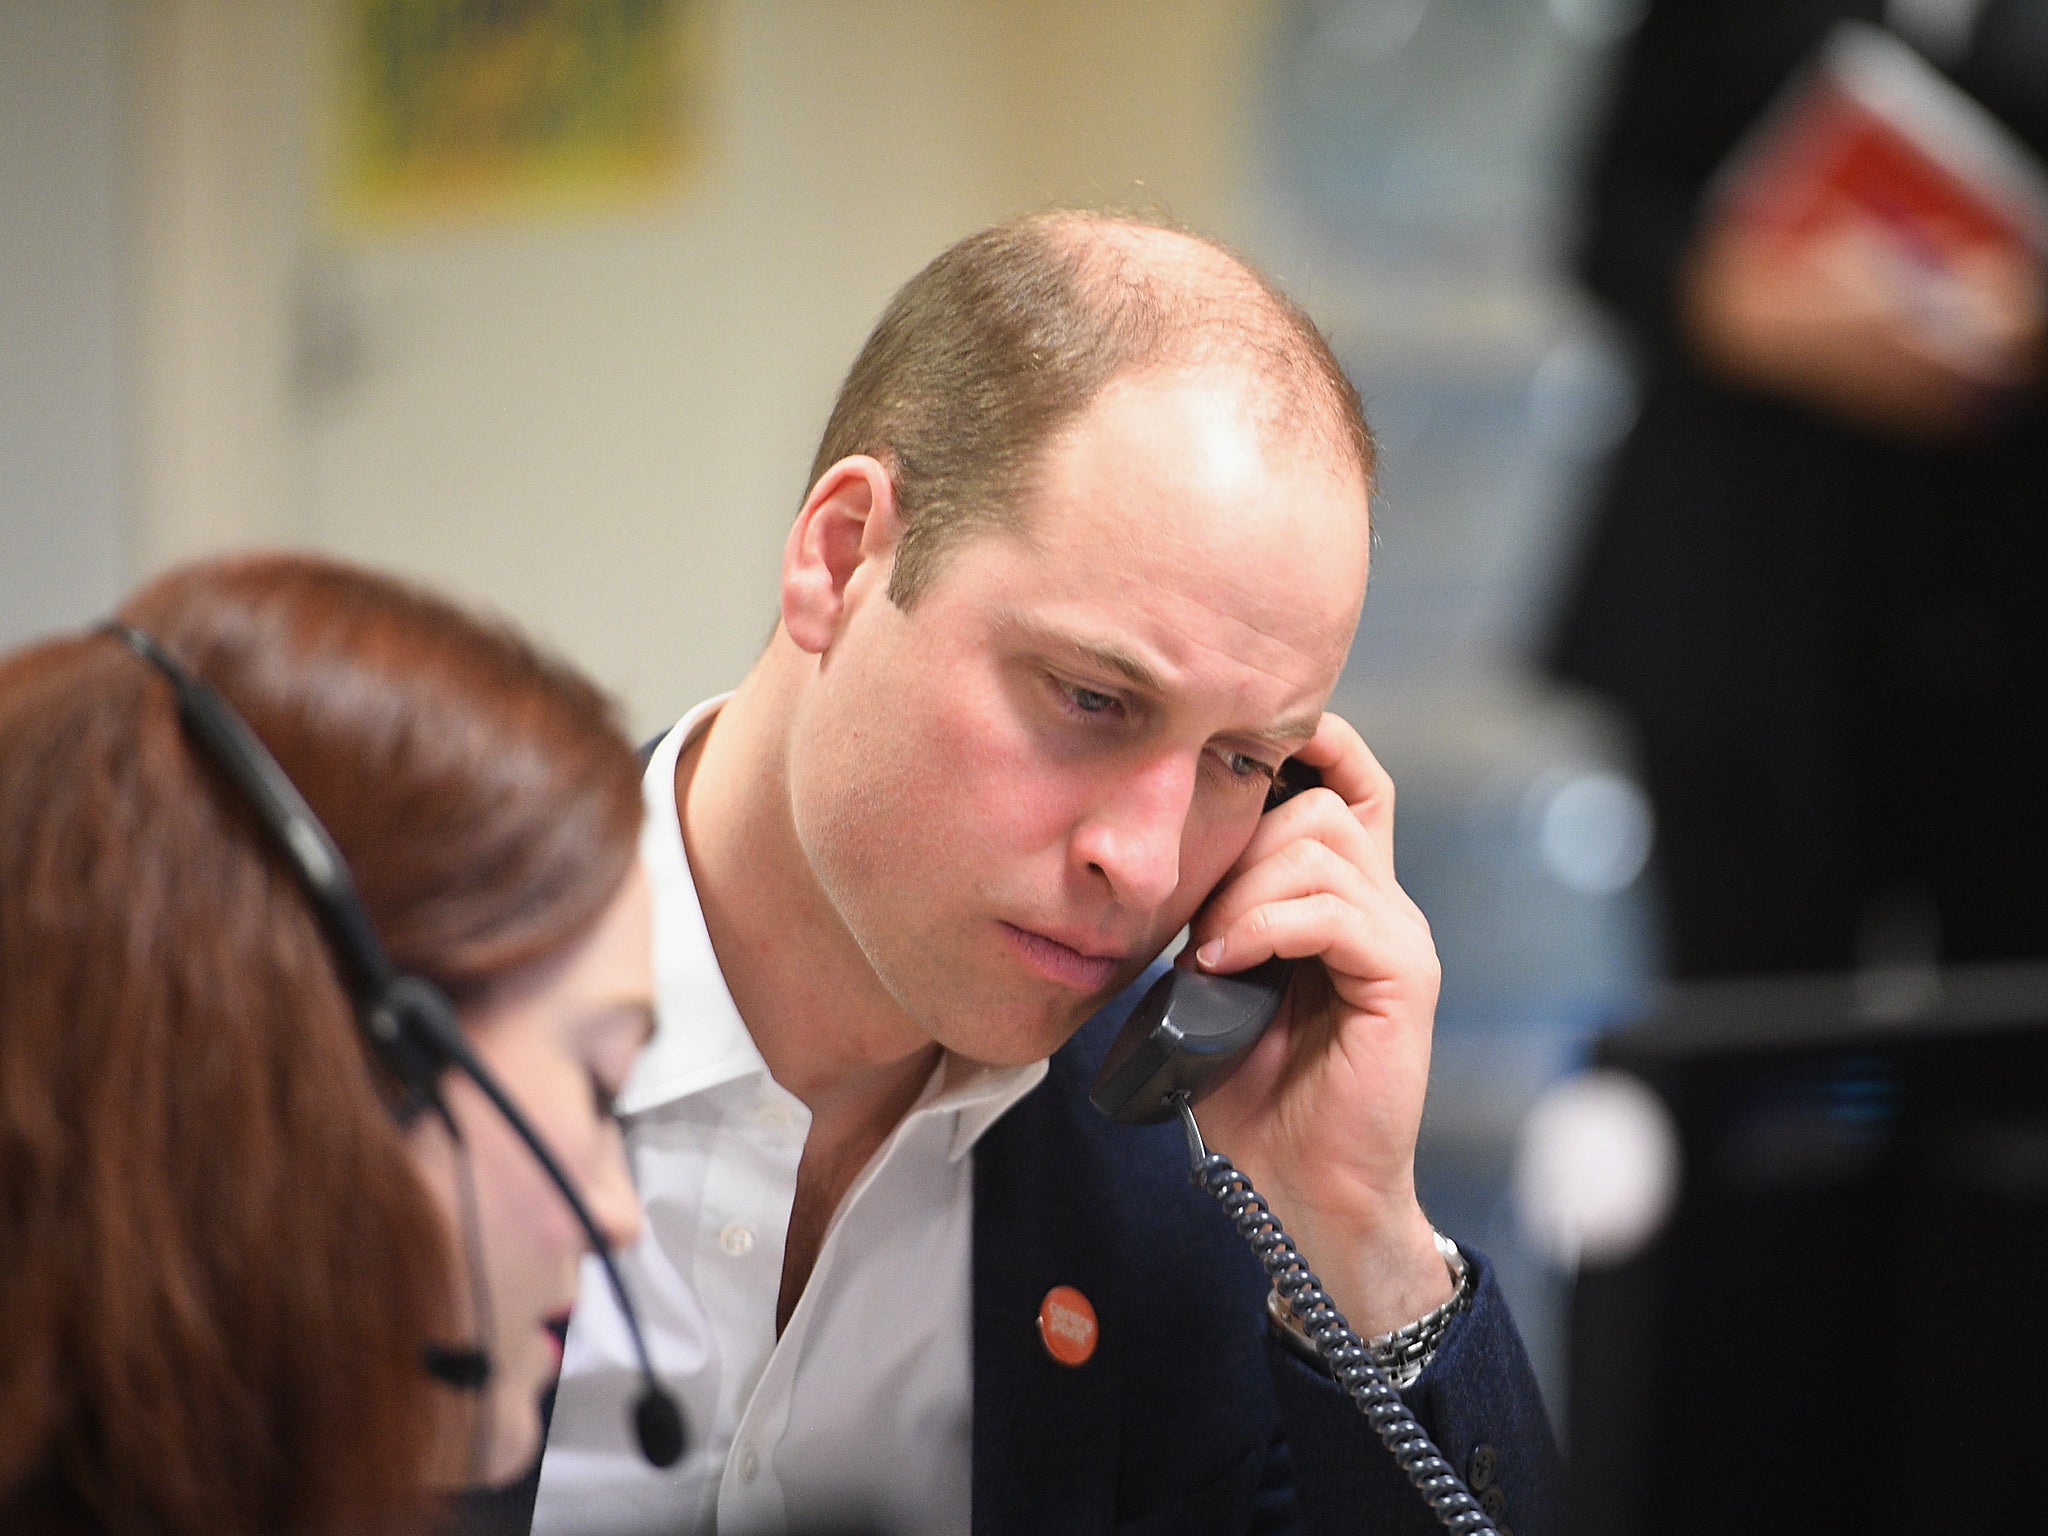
[(844, 541)]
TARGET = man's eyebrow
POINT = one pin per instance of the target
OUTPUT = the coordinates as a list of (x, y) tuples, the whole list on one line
[(1288, 734), (1283, 737), (1103, 653)]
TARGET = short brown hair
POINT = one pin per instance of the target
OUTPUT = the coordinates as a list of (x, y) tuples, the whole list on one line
[(1008, 336), (221, 1267)]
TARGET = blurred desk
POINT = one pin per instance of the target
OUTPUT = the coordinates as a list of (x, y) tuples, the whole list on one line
[(1839, 1326)]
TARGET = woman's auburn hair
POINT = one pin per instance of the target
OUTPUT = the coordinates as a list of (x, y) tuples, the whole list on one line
[(218, 1265)]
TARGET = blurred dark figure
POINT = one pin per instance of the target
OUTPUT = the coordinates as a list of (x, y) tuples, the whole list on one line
[(1814, 579)]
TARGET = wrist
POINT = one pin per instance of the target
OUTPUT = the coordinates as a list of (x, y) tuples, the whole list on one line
[(1402, 1353), (1381, 1271)]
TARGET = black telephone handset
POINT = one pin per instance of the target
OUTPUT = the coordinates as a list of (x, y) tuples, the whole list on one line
[(1187, 1034), (1190, 1031)]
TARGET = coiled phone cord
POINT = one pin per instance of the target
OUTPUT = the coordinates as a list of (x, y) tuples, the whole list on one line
[(1342, 1350)]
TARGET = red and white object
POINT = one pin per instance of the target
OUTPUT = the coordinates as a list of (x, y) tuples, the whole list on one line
[(1874, 143)]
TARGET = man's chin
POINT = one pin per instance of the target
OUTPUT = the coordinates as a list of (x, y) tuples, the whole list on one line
[(1024, 1040), (1002, 1015)]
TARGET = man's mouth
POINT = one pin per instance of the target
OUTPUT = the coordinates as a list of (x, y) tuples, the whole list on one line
[(1084, 969)]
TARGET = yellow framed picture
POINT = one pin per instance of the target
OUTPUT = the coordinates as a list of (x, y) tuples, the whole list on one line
[(449, 109)]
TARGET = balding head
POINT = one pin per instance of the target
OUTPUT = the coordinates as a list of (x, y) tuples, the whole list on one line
[(1006, 338)]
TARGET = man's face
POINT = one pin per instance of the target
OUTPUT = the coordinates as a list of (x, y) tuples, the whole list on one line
[(1017, 793)]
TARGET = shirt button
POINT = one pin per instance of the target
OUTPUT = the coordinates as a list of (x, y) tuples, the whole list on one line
[(772, 1113), (737, 1239), (750, 1465)]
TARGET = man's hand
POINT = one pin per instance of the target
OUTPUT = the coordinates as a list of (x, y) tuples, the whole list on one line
[(1323, 1115)]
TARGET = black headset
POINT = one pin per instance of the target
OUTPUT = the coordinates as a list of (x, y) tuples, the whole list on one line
[(408, 1021)]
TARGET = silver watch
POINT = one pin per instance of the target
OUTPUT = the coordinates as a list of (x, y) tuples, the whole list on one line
[(1405, 1353)]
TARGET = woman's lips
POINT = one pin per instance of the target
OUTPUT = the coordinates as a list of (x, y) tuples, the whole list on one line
[(1062, 963)]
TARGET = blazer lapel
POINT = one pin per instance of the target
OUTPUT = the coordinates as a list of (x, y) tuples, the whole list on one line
[(1045, 1451)]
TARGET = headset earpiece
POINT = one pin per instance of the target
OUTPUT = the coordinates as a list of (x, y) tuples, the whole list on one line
[(408, 1025)]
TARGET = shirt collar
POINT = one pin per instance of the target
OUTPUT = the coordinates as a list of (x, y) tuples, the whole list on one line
[(978, 1095), (700, 1041)]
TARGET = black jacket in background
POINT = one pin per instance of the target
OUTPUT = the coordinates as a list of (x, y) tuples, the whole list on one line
[(1833, 646)]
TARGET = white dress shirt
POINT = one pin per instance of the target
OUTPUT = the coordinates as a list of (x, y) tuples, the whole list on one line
[(861, 1414)]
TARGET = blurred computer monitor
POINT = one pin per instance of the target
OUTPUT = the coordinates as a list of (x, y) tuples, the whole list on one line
[(1843, 1324)]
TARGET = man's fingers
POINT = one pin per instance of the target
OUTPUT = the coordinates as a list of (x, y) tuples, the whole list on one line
[(1295, 867), (1348, 767), (1316, 815), (1317, 877), (1358, 942)]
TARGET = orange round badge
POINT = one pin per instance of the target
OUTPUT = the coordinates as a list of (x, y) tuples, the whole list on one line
[(1066, 1322)]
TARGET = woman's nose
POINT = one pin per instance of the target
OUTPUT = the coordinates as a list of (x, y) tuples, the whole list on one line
[(614, 1204)]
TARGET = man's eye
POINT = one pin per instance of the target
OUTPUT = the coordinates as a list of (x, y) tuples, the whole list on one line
[(1247, 768), (1088, 701)]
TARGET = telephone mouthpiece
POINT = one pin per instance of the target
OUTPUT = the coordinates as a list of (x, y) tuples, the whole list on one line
[(1188, 1032)]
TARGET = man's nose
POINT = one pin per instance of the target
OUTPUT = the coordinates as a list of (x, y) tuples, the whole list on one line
[(1131, 838)]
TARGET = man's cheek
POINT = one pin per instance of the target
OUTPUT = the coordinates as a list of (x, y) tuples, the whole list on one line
[(1185, 907), (1019, 814), (1208, 856)]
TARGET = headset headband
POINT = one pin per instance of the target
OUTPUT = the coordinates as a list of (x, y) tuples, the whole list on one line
[(373, 984)]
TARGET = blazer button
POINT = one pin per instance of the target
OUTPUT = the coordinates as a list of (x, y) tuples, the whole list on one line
[(1484, 1466), (1495, 1503)]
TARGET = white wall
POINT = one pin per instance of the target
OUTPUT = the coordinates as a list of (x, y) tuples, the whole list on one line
[(603, 425), (62, 382), (219, 107)]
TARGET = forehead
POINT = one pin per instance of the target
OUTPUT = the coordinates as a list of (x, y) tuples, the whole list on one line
[(1181, 517)]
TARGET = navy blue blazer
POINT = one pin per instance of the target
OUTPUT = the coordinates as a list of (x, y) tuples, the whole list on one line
[(1191, 1417)]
